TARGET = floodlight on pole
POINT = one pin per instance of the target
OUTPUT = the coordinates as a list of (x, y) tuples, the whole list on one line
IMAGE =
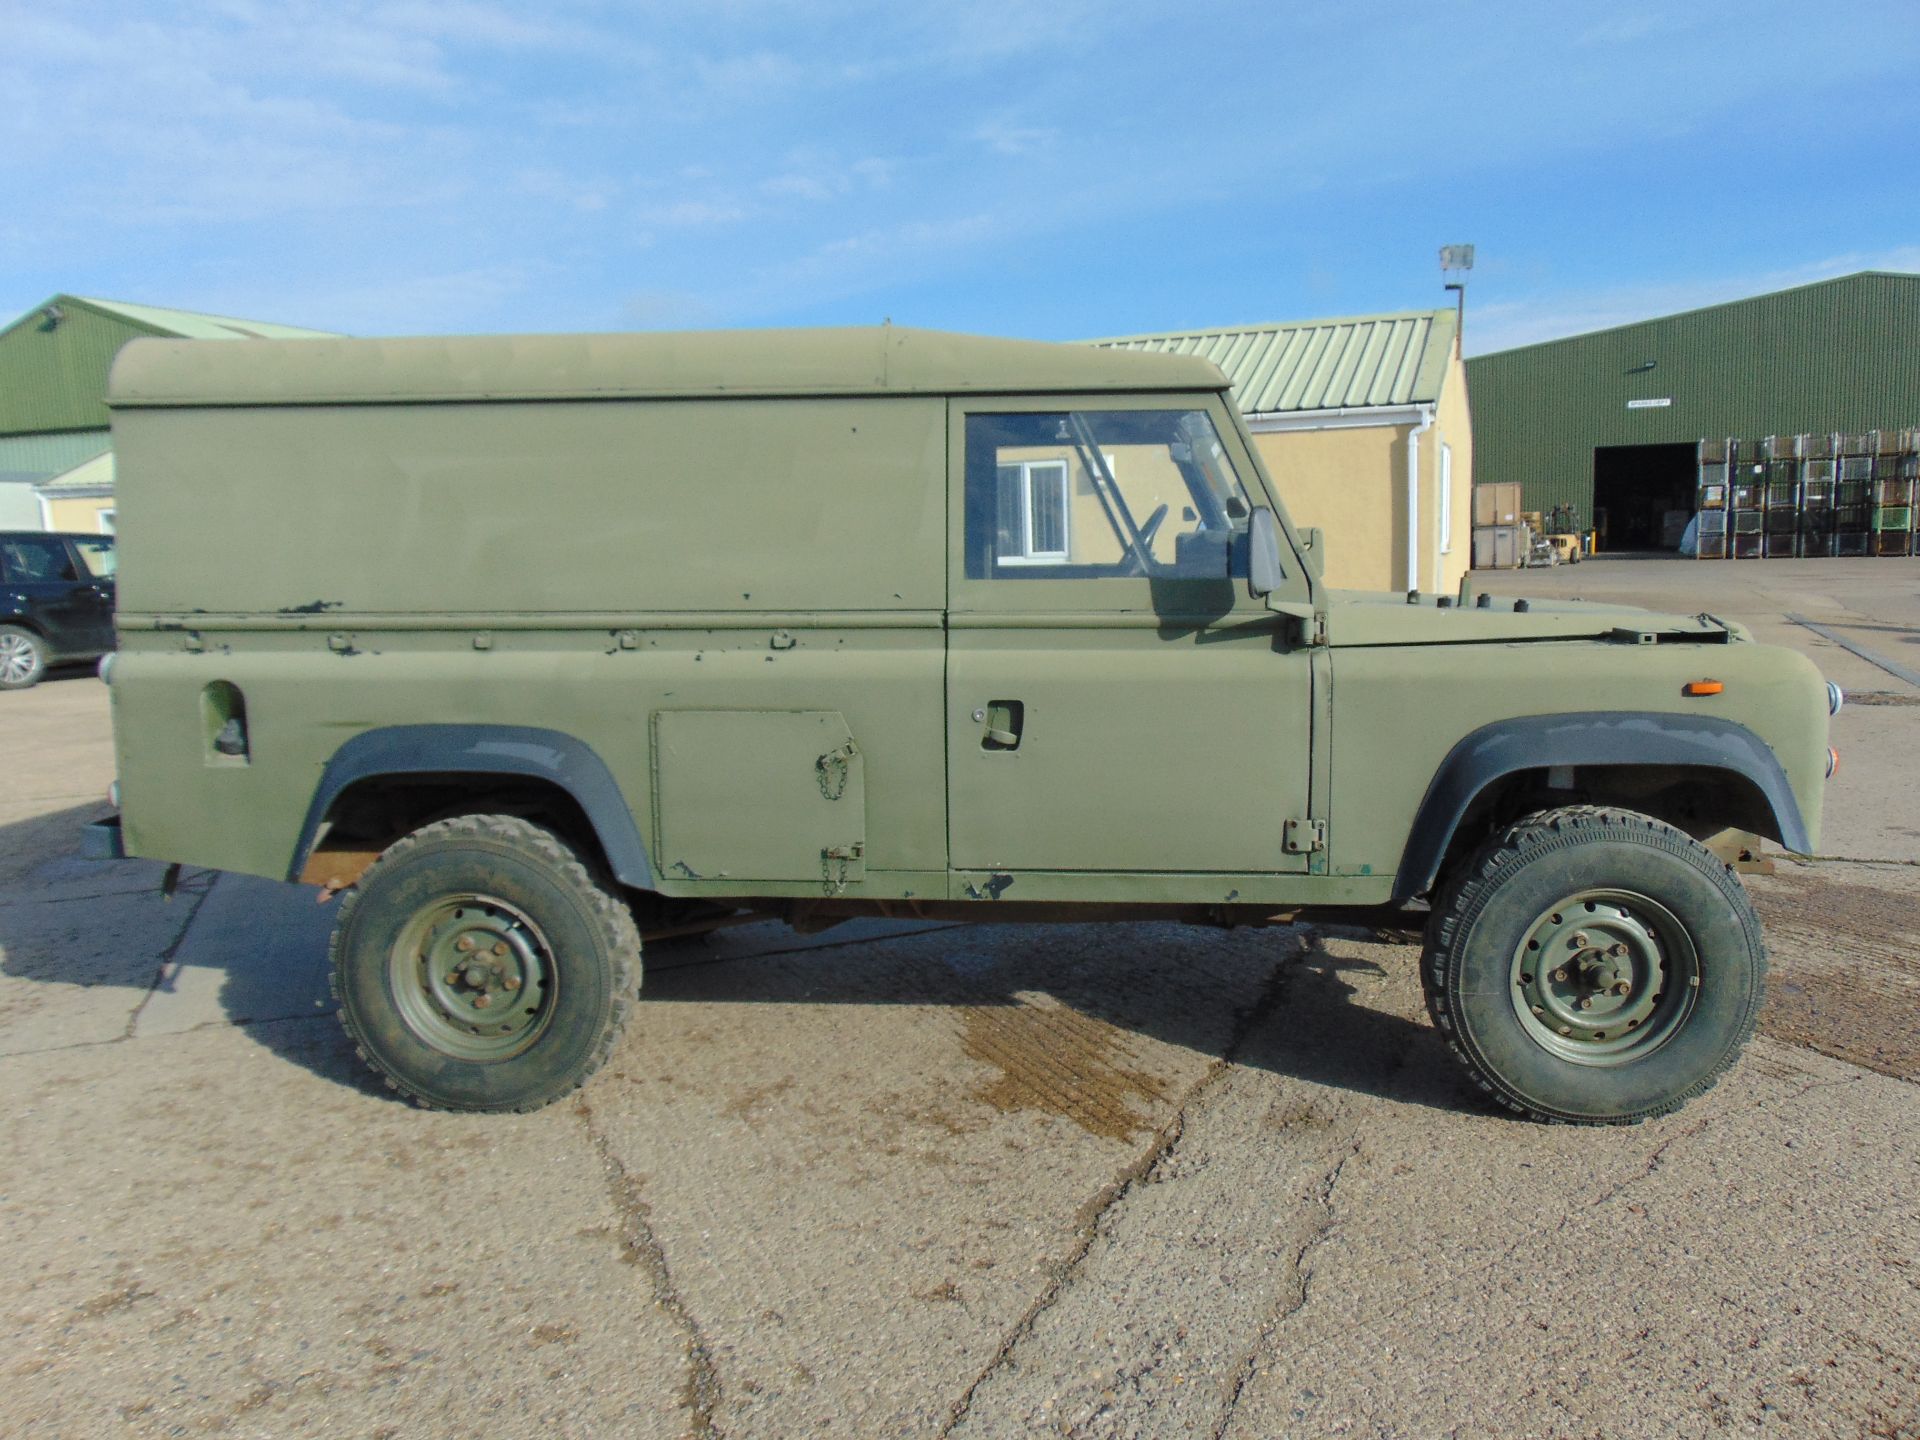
[(1455, 262)]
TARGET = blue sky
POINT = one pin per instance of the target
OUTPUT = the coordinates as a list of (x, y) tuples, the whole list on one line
[(1053, 170)]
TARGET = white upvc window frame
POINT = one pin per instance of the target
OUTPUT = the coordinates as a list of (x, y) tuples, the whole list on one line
[(106, 518), (1028, 555)]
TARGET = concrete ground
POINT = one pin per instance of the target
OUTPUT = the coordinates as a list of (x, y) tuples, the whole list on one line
[(925, 1180)]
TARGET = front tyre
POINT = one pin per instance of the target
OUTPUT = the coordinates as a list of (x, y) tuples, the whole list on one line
[(1595, 966), (480, 966)]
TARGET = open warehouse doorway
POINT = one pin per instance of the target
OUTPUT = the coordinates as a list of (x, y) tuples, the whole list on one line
[(1637, 489)]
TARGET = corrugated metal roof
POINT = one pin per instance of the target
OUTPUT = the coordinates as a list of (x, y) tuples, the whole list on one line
[(1351, 362), (97, 471), (192, 325), (43, 455)]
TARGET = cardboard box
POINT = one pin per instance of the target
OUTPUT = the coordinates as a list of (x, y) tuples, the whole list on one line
[(1497, 504)]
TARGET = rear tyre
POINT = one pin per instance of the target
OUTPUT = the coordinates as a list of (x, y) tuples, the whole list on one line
[(479, 966), (1594, 966), (23, 658)]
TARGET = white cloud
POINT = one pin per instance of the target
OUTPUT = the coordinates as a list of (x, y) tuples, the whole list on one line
[(1004, 137), (693, 214)]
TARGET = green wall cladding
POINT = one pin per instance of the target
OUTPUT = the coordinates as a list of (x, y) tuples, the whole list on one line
[(1842, 355), (53, 377)]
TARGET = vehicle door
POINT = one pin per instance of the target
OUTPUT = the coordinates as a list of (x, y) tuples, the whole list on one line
[(42, 578), (97, 558), (1117, 701)]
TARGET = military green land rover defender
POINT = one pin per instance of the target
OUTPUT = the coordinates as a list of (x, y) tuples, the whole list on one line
[(538, 647)]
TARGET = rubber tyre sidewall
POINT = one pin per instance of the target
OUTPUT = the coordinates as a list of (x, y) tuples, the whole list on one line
[(1478, 983), (394, 893), (39, 671)]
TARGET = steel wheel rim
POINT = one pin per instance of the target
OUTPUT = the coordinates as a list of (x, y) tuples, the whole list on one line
[(473, 978), (1604, 977), (16, 657)]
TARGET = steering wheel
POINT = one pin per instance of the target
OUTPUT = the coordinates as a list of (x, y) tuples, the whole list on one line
[(1144, 545)]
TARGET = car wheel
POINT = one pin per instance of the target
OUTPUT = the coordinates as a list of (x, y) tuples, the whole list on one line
[(1595, 966), (480, 966), (23, 658)]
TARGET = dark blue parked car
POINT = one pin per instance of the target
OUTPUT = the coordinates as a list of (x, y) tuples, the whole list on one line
[(56, 602)]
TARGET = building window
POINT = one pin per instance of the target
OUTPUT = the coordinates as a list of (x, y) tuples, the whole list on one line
[(1446, 499), (1033, 513), (106, 521)]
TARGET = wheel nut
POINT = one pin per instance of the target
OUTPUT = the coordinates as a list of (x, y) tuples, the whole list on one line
[(1622, 988), (499, 947), (1579, 940), (465, 942), (1560, 974), (1587, 1004), (1617, 949), (482, 1000), (453, 977), (1537, 1010), (512, 982)]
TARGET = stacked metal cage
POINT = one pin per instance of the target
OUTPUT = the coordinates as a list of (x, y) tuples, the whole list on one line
[(1809, 495)]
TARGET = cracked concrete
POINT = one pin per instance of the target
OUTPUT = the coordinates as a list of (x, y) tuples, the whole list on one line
[(914, 1179), (641, 1248)]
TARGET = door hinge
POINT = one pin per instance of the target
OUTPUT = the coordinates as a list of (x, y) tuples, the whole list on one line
[(1303, 837), (1309, 622)]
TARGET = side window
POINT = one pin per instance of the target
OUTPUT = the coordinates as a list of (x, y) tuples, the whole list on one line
[(1096, 493), (96, 555), (35, 557)]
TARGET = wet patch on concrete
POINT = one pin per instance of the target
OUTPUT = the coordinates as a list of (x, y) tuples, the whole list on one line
[(1054, 1059), (1881, 697), (1846, 967)]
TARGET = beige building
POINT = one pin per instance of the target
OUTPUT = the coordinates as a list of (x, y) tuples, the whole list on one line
[(1363, 423), (81, 499)]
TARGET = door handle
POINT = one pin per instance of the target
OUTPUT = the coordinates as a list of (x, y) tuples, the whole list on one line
[(1004, 720)]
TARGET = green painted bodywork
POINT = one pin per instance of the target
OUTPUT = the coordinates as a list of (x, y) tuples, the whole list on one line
[(732, 566)]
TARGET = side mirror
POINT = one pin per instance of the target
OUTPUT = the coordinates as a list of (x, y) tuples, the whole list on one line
[(1264, 573), (1313, 545)]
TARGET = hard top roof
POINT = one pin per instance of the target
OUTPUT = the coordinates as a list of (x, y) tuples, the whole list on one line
[(877, 360)]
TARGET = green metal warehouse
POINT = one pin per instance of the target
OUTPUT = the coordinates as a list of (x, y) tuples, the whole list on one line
[(1609, 423)]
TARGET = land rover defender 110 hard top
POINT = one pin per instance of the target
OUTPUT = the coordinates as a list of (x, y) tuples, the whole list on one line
[(537, 646)]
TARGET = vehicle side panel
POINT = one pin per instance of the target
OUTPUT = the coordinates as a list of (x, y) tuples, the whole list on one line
[(540, 508), (578, 568), (1400, 710)]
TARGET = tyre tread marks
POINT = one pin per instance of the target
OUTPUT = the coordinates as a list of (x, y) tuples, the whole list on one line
[(1467, 892), (621, 935)]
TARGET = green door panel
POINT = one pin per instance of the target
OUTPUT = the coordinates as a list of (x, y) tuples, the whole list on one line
[(759, 795), (1099, 720), (1135, 750)]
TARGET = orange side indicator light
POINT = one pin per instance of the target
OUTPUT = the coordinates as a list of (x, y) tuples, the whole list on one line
[(1702, 687)]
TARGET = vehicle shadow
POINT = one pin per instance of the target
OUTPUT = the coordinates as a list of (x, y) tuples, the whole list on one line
[(248, 952), (1296, 1001)]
